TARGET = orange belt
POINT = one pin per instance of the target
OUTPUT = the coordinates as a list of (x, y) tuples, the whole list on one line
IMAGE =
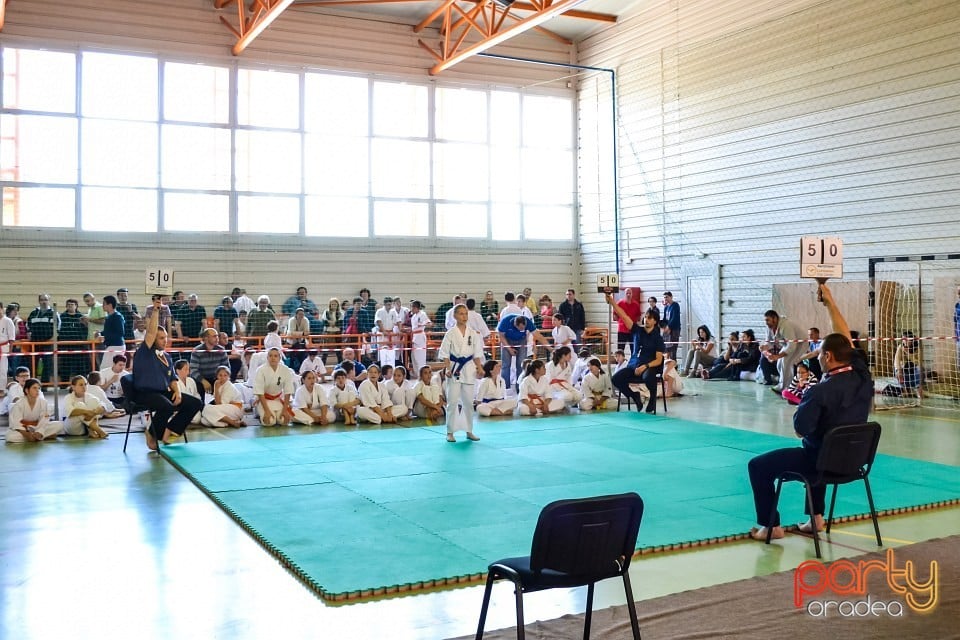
[(270, 396), (557, 381), (29, 423)]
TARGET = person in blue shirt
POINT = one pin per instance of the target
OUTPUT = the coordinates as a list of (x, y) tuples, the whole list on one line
[(844, 397), (646, 357), (513, 330), (157, 386)]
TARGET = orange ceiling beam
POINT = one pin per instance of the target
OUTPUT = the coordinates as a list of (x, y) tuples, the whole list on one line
[(252, 20), (451, 51)]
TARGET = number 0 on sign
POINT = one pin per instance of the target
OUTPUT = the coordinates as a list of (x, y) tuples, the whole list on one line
[(821, 257), (608, 283), (159, 281)]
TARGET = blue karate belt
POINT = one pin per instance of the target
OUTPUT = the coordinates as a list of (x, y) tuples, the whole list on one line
[(486, 400), (458, 364)]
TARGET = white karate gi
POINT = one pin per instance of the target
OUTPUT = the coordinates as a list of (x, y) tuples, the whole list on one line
[(98, 393), (316, 365), (189, 387), (594, 388), (306, 399), (492, 394), (77, 425), (341, 396), (8, 333), (560, 386), (212, 414), (432, 392), (418, 341), (372, 395), (22, 412), (563, 336), (460, 387), (272, 384), (533, 387), (401, 394)]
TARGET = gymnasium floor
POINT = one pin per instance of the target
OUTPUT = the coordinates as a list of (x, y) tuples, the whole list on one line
[(98, 544)]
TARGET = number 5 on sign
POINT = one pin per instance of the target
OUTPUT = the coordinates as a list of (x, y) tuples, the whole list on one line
[(159, 281), (821, 257), (608, 283)]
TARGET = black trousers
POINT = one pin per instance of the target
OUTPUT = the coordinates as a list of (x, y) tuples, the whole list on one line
[(764, 470), (769, 370), (166, 415), (625, 377)]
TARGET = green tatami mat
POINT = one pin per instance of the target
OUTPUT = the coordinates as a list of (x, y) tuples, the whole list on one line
[(373, 511)]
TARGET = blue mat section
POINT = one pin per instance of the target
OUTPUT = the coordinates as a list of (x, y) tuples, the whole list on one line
[(380, 510)]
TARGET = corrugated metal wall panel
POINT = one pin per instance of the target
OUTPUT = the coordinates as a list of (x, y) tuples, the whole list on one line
[(837, 117)]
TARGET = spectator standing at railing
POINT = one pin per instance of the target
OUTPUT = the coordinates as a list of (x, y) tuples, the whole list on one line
[(95, 315), (192, 318), (41, 323), (632, 308), (258, 318), (366, 316), (574, 314), (300, 301), (72, 330), (113, 329), (129, 312), (226, 317), (490, 310), (671, 313), (529, 302), (298, 330), (8, 335)]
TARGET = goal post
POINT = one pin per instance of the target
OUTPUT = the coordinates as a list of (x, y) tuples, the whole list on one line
[(913, 329)]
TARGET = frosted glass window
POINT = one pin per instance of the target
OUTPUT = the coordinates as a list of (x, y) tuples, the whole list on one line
[(401, 169), (119, 86), (337, 104), (196, 212), (268, 161), (505, 221), (460, 171), (118, 209), (548, 176), (268, 214), (461, 115), (547, 223), (461, 220), (399, 110), (195, 157), (505, 173), (39, 207), (401, 218), (38, 148), (547, 122), (505, 118), (268, 98), (196, 93), (119, 153), (337, 217), (39, 80), (337, 165)]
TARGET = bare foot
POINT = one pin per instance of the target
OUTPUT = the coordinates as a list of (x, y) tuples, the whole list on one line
[(151, 441), (169, 437), (471, 436), (450, 438), (761, 533), (95, 432), (805, 527)]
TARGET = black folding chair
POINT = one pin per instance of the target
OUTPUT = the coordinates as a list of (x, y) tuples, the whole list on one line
[(663, 394), (846, 455), (132, 408), (576, 543)]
